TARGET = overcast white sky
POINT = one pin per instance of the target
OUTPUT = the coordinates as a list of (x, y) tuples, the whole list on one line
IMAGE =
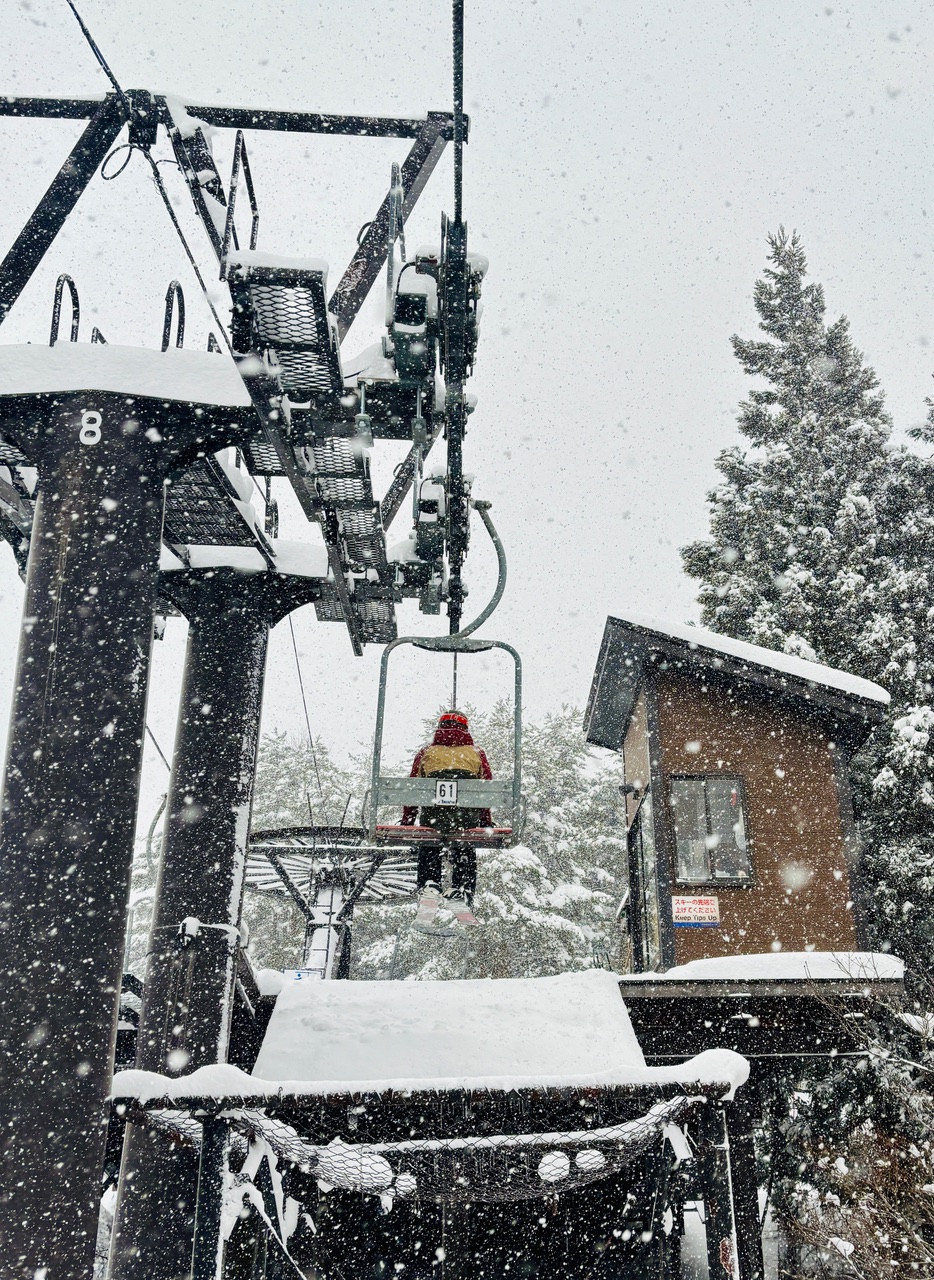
[(626, 163)]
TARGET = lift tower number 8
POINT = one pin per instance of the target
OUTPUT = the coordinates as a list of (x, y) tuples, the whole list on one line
[(90, 432)]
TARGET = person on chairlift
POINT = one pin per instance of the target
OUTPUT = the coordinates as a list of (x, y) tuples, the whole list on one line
[(450, 754)]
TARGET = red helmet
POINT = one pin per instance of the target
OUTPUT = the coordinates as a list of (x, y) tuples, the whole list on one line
[(452, 720)]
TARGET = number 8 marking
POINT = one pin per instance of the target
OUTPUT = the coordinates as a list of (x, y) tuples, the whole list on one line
[(90, 432)]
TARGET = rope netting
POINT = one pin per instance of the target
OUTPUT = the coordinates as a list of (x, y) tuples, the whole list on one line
[(492, 1167)]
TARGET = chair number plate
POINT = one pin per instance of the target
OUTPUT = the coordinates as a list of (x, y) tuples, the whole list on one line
[(445, 792)]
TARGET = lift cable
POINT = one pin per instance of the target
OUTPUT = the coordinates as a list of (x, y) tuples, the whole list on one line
[(458, 23), (157, 179), (156, 176), (103, 61)]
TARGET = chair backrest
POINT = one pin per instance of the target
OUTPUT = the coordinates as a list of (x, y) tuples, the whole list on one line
[(471, 793)]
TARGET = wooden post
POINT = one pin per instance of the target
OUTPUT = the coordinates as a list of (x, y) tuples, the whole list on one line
[(718, 1195), (207, 1253), (745, 1185)]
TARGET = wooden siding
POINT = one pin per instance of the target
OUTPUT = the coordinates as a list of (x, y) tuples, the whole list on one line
[(800, 894)]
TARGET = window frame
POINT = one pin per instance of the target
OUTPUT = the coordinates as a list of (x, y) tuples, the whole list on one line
[(646, 937), (726, 882)]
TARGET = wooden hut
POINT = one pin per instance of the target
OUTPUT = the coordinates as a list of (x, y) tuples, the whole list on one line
[(738, 809)]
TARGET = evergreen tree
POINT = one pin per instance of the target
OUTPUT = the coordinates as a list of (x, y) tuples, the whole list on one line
[(793, 518), (298, 784), (822, 535), (897, 769), (821, 544)]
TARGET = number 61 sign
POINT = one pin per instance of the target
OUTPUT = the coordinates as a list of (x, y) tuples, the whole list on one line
[(445, 792)]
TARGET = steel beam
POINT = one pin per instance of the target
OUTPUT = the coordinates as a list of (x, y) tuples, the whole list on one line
[(404, 478), (51, 108), (315, 122), (188, 992), (207, 1254), (370, 258), (719, 1220), (52, 210), (239, 118), (69, 800)]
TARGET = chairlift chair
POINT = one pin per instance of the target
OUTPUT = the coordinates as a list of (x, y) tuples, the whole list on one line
[(500, 795)]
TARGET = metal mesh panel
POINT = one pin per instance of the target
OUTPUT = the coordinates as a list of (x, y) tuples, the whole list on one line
[(292, 318), (336, 456), (345, 491), (197, 511), (262, 457), (9, 453), (304, 374), (287, 314), (362, 532), (379, 621), (329, 610)]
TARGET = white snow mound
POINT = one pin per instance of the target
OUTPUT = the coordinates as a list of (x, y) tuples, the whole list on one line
[(567, 1031), (200, 377)]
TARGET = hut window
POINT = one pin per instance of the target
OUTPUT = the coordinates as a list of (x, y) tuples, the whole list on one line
[(710, 829)]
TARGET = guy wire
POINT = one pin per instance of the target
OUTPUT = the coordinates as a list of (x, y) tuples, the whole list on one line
[(157, 177)]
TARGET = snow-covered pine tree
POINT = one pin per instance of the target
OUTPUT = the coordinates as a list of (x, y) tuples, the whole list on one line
[(897, 769), (794, 512), (822, 534), (822, 544)]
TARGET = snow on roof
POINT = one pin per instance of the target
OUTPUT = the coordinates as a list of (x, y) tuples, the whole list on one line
[(202, 377), (567, 1031), (797, 668), (791, 965)]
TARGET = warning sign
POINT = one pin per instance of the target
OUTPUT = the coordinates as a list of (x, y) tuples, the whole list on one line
[(696, 912)]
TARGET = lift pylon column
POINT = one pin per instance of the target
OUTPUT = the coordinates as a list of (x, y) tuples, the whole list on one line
[(74, 755), (195, 939)]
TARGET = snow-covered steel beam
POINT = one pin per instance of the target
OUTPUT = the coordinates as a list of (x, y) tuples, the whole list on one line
[(53, 209), (370, 258), (51, 108), (194, 944), (241, 118)]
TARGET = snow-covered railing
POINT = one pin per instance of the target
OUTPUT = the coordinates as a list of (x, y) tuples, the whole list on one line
[(488, 1167)]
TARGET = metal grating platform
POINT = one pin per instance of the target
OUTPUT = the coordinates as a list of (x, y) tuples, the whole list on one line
[(290, 319), (11, 456), (283, 316), (339, 467), (200, 510)]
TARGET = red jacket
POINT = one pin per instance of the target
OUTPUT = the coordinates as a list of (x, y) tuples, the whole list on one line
[(454, 737)]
